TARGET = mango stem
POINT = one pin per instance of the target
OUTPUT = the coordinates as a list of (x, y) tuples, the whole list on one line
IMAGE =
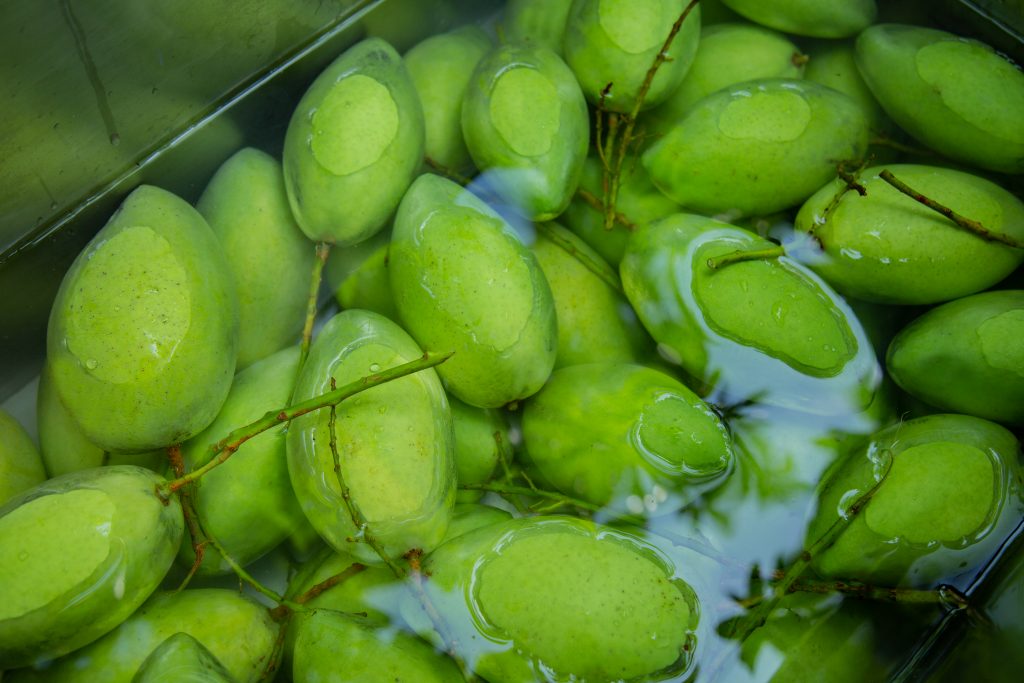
[(322, 251), (741, 255)]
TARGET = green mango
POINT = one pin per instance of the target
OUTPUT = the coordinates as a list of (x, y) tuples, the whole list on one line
[(63, 446), (834, 65), (654, 438), (728, 54), (237, 631), (182, 659), (247, 503), (887, 248), (952, 492), (957, 96), (369, 286), (766, 329), (394, 441), (966, 356), (143, 334), (353, 145), (331, 647), (817, 18), (536, 22), (269, 257), (78, 555), (639, 201), (481, 440), (464, 282), (470, 516), (21, 466), (786, 135), (440, 68), (615, 42), (556, 598), (595, 322), (526, 123)]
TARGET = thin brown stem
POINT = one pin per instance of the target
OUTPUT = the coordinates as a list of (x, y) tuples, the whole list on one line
[(323, 249), (595, 201), (962, 222), (741, 255), (573, 246), (223, 449), (851, 181), (320, 588)]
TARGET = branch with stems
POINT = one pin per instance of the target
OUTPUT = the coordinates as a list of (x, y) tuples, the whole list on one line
[(595, 201), (323, 250)]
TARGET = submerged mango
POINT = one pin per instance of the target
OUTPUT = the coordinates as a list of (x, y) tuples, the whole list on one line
[(957, 96), (513, 596), (537, 22), (21, 466), (757, 147), (888, 248), (818, 18), (481, 441), (78, 555), (526, 126), (653, 438), (966, 356), (181, 659), (612, 44), (269, 257), (950, 491), (394, 441), (464, 282), (143, 334), (353, 145), (764, 329)]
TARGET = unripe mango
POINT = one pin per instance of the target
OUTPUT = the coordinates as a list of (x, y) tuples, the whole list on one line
[(182, 658), (537, 22), (21, 467), (817, 18)]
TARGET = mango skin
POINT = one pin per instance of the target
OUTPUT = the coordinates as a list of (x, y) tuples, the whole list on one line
[(531, 134), (595, 322), (464, 282), (181, 658), (247, 503), (887, 248), (965, 356), (394, 441), (481, 441), (616, 41), (757, 147), (350, 203), (829, 19), (727, 54), (235, 629), (512, 595), (795, 343), (142, 537), (654, 437), (335, 647), (955, 95), (891, 543), (143, 353), (247, 208), (440, 67), (63, 446), (21, 466)]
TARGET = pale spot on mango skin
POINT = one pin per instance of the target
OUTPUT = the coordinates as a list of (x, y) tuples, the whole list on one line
[(354, 125), (525, 109)]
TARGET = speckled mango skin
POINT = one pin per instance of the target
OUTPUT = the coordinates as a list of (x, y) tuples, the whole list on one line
[(794, 342), (727, 54), (887, 248), (957, 96), (535, 153), (247, 503), (537, 22), (615, 41), (828, 19), (128, 400), (235, 629), (143, 537), (652, 433), (270, 259), (757, 147), (909, 552), (440, 67), (181, 658), (514, 602), (347, 208), (966, 356), (464, 282), (594, 321), (21, 466), (394, 441)]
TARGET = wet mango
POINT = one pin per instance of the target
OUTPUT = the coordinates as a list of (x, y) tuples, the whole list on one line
[(537, 22), (828, 19), (21, 466), (181, 658)]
